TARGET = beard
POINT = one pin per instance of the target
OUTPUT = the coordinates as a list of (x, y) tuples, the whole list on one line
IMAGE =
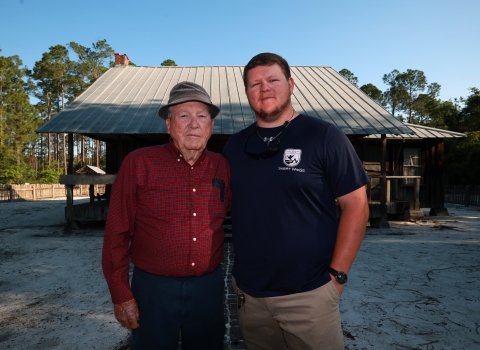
[(273, 115)]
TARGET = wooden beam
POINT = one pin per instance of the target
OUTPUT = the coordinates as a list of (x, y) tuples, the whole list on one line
[(87, 179)]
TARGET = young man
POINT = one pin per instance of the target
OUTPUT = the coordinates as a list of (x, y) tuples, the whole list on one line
[(292, 254), (166, 213)]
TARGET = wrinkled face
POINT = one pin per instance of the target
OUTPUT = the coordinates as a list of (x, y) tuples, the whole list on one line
[(268, 91), (190, 126)]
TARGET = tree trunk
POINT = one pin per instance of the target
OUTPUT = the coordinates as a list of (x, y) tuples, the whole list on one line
[(97, 151), (57, 150), (79, 155), (83, 150), (64, 156), (49, 154)]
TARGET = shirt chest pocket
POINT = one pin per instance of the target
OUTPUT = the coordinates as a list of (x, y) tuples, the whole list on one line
[(211, 197), (220, 185)]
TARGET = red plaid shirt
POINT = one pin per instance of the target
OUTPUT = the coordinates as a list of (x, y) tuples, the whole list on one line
[(166, 215)]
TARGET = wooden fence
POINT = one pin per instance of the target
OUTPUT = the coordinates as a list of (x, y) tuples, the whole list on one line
[(459, 194), (42, 191)]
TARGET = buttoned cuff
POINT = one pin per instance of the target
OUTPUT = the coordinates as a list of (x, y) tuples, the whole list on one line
[(120, 293)]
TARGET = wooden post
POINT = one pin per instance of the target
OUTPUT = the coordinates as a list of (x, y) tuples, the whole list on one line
[(382, 222), (369, 191), (416, 193), (91, 193), (10, 187), (388, 190), (69, 209), (468, 192), (384, 177), (34, 192), (70, 154)]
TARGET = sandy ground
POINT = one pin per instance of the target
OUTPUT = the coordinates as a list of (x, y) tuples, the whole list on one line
[(53, 295), (414, 286)]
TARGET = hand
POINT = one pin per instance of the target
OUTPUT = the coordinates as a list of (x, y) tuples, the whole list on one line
[(338, 285), (127, 314)]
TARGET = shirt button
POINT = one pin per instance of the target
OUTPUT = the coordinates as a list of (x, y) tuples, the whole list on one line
[(194, 214), (178, 159), (193, 264), (194, 239), (191, 168), (194, 190)]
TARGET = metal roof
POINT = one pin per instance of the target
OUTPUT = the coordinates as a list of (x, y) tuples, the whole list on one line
[(422, 132), (90, 170), (125, 100)]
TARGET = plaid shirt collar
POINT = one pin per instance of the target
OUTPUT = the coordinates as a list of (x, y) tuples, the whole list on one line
[(178, 155)]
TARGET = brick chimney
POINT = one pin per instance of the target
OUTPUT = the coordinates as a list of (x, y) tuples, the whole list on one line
[(121, 60)]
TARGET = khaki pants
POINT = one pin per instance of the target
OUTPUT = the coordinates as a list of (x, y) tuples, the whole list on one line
[(301, 321)]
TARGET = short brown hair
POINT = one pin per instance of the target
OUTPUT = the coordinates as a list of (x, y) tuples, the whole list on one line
[(266, 59)]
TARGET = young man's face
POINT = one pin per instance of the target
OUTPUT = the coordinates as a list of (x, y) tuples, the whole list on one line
[(268, 92)]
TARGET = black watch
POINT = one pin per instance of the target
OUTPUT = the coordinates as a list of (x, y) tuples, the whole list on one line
[(340, 276)]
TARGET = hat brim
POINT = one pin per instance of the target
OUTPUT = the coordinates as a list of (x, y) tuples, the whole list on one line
[(163, 111)]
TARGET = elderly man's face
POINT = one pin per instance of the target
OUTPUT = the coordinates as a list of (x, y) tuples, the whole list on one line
[(190, 126)]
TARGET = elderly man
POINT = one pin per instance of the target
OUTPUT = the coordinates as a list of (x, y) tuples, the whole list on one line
[(292, 254), (166, 212)]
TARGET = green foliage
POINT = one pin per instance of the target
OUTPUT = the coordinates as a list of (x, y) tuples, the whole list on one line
[(412, 81), (462, 166), (18, 118), (424, 108), (49, 175), (92, 62), (396, 96), (374, 93), (11, 172), (349, 76), (55, 79), (7, 162), (445, 115), (471, 111), (406, 93), (169, 63)]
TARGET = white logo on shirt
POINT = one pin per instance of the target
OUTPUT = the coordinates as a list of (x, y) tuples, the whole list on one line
[(292, 157)]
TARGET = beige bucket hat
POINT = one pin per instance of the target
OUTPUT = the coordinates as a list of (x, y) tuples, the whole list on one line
[(187, 91)]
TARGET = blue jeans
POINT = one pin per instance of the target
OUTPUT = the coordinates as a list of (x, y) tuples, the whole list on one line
[(168, 305)]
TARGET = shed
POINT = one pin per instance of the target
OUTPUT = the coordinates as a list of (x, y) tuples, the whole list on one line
[(90, 170), (120, 108)]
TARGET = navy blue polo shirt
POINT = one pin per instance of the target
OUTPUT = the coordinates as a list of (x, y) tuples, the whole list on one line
[(284, 215)]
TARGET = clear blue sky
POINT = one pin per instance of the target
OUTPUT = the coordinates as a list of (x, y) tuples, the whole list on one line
[(368, 37)]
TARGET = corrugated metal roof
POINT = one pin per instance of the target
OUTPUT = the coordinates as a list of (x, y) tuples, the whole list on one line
[(422, 132), (90, 170), (125, 100)]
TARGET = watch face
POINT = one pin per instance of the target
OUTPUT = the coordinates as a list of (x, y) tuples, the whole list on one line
[(341, 277)]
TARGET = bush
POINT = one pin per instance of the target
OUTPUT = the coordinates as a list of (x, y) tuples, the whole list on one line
[(49, 175), (462, 165)]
